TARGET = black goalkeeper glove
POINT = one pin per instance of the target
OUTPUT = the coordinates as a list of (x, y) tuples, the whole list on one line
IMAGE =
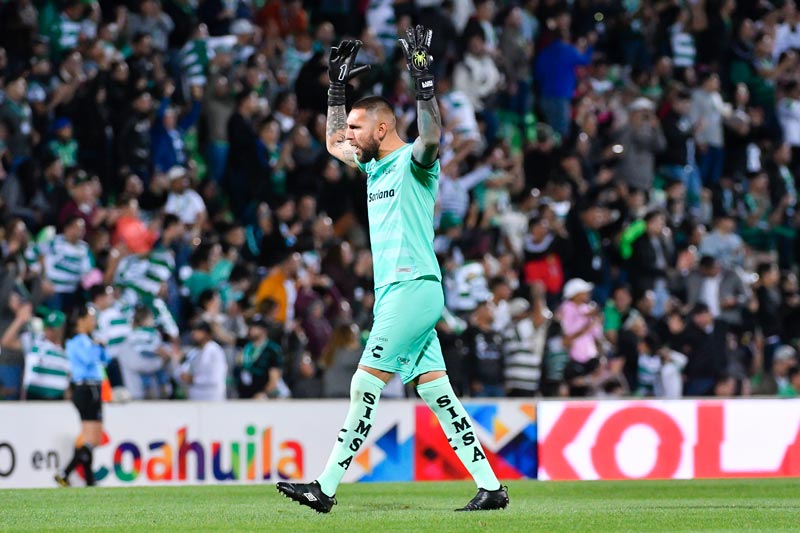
[(419, 59), (340, 70)]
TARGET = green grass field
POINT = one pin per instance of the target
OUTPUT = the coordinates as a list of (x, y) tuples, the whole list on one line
[(730, 505)]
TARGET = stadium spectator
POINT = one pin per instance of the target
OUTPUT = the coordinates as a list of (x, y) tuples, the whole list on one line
[(721, 289), (707, 113), (705, 345), (11, 342), (144, 359), (340, 360), (639, 140), (723, 243), (678, 158), (554, 71), (63, 261), (259, 368), (776, 379), (479, 78), (524, 345), (651, 261), (486, 360), (205, 369), (47, 368)]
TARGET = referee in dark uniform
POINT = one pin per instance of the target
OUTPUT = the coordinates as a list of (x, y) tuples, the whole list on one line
[(86, 359)]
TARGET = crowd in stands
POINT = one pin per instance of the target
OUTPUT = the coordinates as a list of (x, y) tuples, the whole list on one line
[(617, 212)]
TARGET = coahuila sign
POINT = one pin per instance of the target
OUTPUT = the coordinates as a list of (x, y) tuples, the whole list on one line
[(218, 460), (669, 439)]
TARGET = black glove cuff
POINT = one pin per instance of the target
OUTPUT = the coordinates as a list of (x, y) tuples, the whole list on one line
[(337, 94), (424, 86)]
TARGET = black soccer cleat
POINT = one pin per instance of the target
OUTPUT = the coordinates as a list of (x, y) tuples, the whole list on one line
[(488, 500), (308, 494)]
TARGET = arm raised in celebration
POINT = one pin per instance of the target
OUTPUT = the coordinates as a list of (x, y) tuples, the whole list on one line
[(340, 70), (416, 48)]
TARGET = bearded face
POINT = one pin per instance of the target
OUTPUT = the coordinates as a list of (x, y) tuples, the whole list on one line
[(368, 150)]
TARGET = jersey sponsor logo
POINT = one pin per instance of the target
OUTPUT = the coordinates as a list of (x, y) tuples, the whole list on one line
[(376, 351), (380, 195), (427, 84)]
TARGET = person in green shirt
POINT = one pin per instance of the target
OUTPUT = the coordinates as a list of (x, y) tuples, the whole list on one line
[(259, 368), (64, 145), (616, 312), (791, 389), (402, 183)]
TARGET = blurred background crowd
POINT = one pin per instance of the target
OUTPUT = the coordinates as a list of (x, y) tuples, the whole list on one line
[(617, 211)]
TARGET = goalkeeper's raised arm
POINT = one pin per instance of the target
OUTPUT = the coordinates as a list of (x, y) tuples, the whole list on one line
[(341, 69), (416, 48)]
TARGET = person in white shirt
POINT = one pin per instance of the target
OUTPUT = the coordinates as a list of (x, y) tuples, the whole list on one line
[(184, 202), (205, 370), (787, 33), (788, 110), (477, 75)]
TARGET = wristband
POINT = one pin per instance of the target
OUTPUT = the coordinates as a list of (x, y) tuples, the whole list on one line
[(424, 86), (337, 94)]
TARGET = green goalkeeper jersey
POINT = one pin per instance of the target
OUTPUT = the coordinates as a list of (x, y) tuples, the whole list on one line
[(400, 199)]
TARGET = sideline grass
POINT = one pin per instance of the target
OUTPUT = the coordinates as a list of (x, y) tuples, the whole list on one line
[(706, 505)]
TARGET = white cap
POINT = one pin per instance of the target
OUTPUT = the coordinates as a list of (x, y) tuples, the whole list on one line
[(242, 27), (642, 104), (785, 353), (518, 306), (176, 172), (575, 287)]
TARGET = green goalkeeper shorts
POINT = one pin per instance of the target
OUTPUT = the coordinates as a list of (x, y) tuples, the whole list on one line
[(403, 339)]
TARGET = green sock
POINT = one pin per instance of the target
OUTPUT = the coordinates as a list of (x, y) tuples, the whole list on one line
[(457, 426), (365, 391)]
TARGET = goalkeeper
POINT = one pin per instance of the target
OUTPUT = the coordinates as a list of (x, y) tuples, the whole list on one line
[(402, 181)]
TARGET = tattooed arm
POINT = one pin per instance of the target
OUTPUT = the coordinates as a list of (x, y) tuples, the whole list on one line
[(335, 131), (429, 123), (416, 48), (341, 68)]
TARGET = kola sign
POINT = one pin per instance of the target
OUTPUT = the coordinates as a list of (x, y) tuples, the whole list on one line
[(679, 439)]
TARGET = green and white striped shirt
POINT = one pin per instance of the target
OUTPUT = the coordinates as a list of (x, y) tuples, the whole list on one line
[(163, 317), (145, 342), (683, 48), (46, 370), (194, 60), (146, 274), (64, 263), (69, 33), (113, 328)]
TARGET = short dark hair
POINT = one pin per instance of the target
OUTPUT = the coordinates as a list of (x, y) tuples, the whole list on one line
[(170, 220), (763, 268), (652, 214), (70, 220), (96, 291), (242, 96), (373, 104), (497, 281), (708, 261), (141, 313)]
